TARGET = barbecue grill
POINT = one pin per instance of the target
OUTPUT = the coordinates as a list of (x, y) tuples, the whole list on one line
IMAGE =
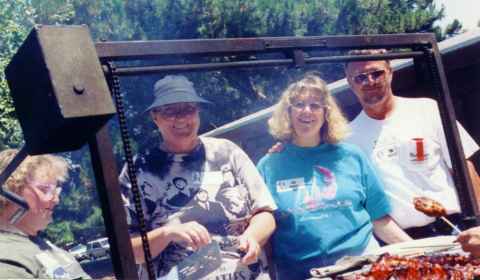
[(437, 256), (62, 85)]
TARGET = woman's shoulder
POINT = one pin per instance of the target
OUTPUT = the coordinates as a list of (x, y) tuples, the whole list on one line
[(273, 157), (222, 149), (349, 149), (218, 143)]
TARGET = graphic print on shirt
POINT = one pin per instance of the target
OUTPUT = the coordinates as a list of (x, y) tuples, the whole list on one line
[(51, 266), (210, 194), (314, 198), (384, 149), (324, 187), (416, 154)]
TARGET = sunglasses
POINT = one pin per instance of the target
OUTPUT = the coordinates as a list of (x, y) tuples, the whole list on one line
[(314, 106), (176, 111), (363, 78)]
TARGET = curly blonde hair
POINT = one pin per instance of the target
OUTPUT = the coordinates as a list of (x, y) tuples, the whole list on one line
[(335, 127), (33, 167)]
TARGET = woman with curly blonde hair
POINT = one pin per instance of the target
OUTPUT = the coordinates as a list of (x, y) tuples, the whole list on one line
[(23, 253), (329, 198), (335, 127)]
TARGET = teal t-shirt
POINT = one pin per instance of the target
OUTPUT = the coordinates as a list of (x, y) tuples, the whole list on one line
[(327, 198)]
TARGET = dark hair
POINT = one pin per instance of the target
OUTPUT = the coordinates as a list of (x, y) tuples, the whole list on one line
[(366, 52), (176, 179)]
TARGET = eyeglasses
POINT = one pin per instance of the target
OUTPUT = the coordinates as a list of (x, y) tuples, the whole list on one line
[(178, 111), (314, 106), (49, 190), (363, 78)]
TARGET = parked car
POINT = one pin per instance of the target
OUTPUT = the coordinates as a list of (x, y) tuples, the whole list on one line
[(79, 251), (98, 248)]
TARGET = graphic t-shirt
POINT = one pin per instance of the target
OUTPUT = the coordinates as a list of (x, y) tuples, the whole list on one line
[(410, 152), (327, 197), (215, 185)]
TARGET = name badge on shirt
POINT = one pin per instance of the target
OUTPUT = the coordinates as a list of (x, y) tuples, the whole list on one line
[(51, 266), (208, 178), (290, 185)]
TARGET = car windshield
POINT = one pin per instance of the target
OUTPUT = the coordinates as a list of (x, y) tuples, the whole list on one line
[(77, 247)]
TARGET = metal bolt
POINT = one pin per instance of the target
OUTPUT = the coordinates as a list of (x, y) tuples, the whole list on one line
[(78, 89)]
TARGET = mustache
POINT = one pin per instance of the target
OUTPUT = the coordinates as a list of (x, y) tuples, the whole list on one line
[(371, 87)]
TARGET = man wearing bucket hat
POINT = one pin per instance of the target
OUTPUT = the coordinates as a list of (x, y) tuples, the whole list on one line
[(173, 173)]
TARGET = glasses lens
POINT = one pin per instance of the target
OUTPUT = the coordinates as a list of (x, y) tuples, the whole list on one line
[(298, 105), (363, 77), (49, 190), (314, 107), (175, 111), (377, 74)]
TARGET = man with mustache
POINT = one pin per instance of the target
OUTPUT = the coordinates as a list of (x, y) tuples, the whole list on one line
[(405, 140)]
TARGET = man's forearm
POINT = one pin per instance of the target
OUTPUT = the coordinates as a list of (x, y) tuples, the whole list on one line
[(261, 227), (389, 231)]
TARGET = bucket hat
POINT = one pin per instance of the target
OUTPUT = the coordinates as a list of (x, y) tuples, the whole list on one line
[(174, 89)]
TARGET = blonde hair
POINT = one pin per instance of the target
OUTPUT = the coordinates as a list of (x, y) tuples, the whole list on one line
[(335, 127), (43, 166)]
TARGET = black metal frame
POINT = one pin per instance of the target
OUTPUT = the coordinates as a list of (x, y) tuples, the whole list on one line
[(423, 47)]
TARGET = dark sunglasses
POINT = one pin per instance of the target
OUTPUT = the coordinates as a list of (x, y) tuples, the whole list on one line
[(363, 78)]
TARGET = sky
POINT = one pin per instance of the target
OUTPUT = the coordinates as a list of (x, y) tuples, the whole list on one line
[(466, 11)]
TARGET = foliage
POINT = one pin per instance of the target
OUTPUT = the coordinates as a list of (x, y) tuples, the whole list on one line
[(453, 28), (16, 19), (60, 232), (236, 93)]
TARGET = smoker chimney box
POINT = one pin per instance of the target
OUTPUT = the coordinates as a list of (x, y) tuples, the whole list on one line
[(58, 88)]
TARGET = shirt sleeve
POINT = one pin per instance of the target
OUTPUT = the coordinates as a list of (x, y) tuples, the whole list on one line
[(468, 144), (128, 201), (250, 176), (377, 202)]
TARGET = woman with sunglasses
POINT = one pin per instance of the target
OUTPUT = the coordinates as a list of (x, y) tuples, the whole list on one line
[(329, 198), (23, 254)]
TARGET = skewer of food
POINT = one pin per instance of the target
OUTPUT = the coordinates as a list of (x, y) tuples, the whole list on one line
[(433, 208), (422, 267), (391, 267)]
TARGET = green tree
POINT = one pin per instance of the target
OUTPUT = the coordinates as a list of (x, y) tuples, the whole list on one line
[(16, 20), (453, 28), (241, 91)]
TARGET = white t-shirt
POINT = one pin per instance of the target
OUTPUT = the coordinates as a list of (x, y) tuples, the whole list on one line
[(410, 152)]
